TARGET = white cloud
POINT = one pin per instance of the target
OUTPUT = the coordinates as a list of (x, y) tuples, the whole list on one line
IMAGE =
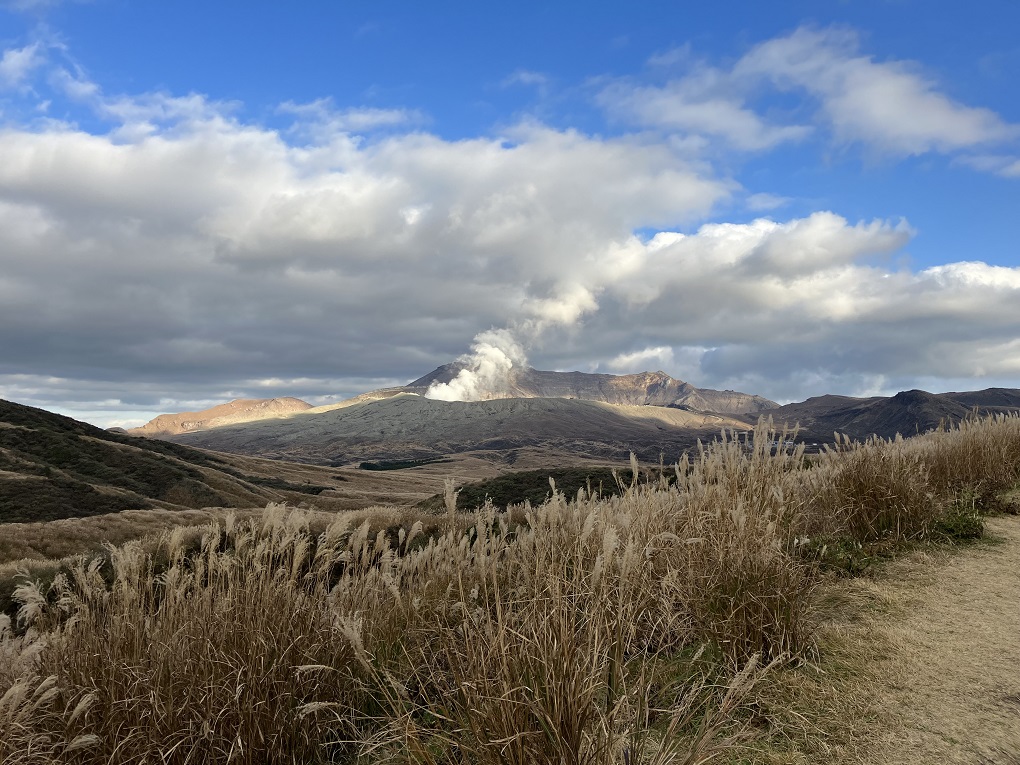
[(805, 307), (188, 248), (644, 359), (889, 105), (525, 77), (211, 255), (75, 86), (1011, 170), (763, 202), (704, 103), (205, 248), (320, 119), (17, 64), (1004, 165)]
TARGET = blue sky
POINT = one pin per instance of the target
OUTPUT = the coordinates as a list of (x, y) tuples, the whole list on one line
[(209, 200)]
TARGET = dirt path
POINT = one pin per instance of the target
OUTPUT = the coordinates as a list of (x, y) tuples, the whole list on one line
[(947, 677)]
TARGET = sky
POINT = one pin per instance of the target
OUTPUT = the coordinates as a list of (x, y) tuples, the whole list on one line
[(204, 201)]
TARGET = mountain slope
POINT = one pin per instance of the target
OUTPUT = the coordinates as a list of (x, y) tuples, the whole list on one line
[(411, 427), (56, 467), (989, 399), (231, 413), (907, 413)]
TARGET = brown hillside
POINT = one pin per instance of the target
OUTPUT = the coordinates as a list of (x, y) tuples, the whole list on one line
[(908, 413), (233, 412), (412, 427)]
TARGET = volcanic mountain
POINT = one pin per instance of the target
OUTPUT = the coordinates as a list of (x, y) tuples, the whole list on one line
[(594, 416), (642, 389), (233, 412)]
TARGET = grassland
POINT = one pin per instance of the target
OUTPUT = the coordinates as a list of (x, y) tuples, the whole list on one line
[(588, 629)]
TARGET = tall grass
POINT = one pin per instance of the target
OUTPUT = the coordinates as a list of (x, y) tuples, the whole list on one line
[(587, 630)]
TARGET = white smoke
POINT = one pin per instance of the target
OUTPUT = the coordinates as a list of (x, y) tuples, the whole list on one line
[(496, 351), (493, 354)]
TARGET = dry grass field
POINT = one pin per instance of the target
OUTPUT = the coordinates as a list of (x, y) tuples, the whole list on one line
[(703, 618)]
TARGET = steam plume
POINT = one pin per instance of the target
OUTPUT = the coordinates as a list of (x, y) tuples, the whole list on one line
[(493, 354), (496, 351)]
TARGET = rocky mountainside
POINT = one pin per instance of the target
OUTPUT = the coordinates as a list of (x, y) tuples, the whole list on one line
[(907, 413), (412, 427), (642, 389), (233, 412)]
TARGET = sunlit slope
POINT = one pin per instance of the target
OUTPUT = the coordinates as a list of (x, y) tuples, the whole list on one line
[(230, 413)]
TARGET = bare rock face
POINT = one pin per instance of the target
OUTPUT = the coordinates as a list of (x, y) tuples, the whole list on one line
[(232, 413)]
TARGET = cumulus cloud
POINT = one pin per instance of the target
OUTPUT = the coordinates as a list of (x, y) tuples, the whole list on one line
[(890, 105), (206, 248), (809, 306), (706, 102), (638, 361)]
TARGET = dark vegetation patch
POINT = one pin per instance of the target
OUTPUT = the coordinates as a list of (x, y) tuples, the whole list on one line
[(400, 464), (531, 486), (26, 500), (280, 484)]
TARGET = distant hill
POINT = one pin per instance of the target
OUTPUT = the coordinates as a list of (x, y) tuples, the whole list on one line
[(53, 467), (233, 412), (409, 426), (907, 413)]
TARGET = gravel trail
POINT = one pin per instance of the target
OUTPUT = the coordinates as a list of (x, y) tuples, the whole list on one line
[(947, 682)]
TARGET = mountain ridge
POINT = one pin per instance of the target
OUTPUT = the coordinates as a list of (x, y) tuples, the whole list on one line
[(229, 413), (638, 389), (906, 413)]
